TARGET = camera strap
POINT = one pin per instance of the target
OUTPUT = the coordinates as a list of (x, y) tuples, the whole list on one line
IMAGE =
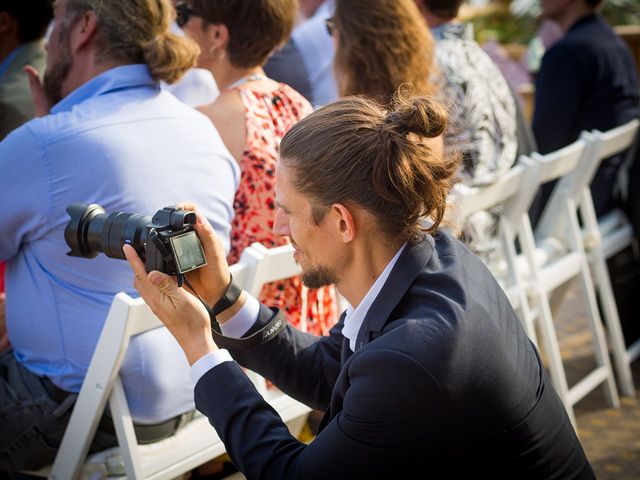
[(266, 333), (231, 294)]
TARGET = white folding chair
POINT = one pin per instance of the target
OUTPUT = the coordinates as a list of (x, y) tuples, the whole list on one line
[(189, 447), (605, 237), (565, 260), (511, 194)]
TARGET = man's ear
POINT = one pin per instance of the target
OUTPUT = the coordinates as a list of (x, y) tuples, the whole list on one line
[(84, 30), (343, 222)]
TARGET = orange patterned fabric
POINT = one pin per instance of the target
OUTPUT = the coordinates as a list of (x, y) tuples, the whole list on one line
[(268, 117)]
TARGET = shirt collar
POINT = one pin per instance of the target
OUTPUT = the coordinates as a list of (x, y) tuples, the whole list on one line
[(453, 30), (4, 65), (118, 78), (326, 9), (355, 316), (588, 18)]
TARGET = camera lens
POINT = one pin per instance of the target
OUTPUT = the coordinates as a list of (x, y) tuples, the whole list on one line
[(91, 231)]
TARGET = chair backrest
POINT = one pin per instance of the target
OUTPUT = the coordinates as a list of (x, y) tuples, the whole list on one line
[(615, 141), (267, 265), (571, 167), (514, 191), (613, 231), (561, 162)]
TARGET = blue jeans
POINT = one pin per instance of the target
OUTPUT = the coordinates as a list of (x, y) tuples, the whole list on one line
[(31, 422)]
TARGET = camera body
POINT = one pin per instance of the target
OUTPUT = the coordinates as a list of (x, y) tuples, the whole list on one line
[(166, 242), (172, 245)]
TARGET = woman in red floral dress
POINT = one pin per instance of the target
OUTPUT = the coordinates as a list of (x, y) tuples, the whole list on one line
[(252, 114)]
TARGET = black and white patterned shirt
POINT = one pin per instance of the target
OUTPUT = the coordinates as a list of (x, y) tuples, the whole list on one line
[(482, 110)]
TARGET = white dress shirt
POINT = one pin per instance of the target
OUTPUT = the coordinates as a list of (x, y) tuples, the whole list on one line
[(242, 321)]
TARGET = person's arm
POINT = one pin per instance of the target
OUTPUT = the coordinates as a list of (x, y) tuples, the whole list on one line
[(305, 365), (392, 409), (24, 192), (559, 94), (300, 364)]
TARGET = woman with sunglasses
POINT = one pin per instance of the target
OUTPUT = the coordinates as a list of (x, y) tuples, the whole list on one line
[(252, 114)]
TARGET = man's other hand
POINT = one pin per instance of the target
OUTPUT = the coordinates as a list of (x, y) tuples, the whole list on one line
[(41, 103)]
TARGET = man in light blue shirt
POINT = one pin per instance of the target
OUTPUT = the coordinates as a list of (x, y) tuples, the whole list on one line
[(114, 138)]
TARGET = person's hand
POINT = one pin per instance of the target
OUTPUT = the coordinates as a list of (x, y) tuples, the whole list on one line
[(183, 314), (40, 101), (4, 337), (209, 281)]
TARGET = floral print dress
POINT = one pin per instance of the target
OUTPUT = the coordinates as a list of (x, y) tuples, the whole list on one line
[(269, 115)]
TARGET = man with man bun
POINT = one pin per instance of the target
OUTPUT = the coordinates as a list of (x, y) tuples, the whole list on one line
[(107, 134), (428, 370)]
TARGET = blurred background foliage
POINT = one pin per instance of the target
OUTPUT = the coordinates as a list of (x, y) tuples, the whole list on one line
[(517, 21)]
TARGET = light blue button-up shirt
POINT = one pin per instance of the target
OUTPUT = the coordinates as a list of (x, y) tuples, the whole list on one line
[(121, 142)]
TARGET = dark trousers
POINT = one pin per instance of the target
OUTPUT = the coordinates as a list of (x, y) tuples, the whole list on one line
[(32, 423)]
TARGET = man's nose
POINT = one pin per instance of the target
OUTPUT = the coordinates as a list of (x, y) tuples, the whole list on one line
[(281, 223)]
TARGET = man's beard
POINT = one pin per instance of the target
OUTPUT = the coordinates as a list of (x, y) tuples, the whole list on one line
[(318, 277), (55, 76)]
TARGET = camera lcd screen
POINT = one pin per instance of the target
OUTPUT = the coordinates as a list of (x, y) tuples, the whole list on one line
[(188, 252)]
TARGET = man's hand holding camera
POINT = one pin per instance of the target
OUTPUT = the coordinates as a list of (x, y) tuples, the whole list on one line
[(182, 312)]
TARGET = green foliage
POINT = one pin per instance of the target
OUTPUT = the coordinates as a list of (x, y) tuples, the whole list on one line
[(506, 27)]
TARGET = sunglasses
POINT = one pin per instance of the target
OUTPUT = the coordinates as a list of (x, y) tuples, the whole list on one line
[(330, 25), (183, 13)]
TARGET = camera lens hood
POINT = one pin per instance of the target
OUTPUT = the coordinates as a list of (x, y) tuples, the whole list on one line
[(75, 233)]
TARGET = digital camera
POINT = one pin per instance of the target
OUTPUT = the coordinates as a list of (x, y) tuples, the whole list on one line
[(165, 242)]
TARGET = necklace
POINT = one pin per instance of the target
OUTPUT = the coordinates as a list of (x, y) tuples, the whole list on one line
[(245, 79)]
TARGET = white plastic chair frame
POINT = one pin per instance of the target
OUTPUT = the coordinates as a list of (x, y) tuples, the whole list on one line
[(604, 238), (559, 222), (192, 445)]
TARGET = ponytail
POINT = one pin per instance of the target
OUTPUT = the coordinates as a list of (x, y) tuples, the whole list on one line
[(169, 56), (137, 31)]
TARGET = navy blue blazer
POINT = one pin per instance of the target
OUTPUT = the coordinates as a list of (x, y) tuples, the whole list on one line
[(443, 383)]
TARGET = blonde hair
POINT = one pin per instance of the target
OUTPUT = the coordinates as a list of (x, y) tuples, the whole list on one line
[(137, 31)]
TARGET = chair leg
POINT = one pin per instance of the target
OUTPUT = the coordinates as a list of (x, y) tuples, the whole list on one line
[(552, 350), (123, 424), (599, 339), (612, 321), (545, 321)]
